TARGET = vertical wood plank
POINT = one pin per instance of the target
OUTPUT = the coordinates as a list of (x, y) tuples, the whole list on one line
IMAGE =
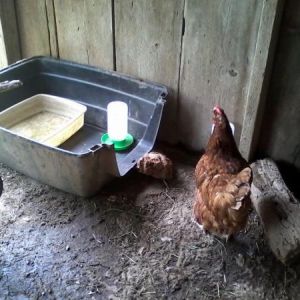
[(148, 45), (268, 28), (3, 55), (33, 27), (219, 49), (51, 20), (218, 46), (9, 37), (84, 31), (280, 134)]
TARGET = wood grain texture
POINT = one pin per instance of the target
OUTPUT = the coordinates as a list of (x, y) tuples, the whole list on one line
[(255, 97), (278, 210), (148, 45), (3, 55), (218, 55), (84, 31), (280, 135), (9, 37), (51, 20), (219, 46), (33, 27)]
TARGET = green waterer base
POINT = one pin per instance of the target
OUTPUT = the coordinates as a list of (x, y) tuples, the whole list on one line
[(118, 145)]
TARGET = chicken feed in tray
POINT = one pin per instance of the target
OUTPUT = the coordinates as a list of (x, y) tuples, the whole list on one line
[(43, 118)]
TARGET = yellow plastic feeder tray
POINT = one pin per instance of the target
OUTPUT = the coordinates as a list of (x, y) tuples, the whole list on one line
[(47, 119)]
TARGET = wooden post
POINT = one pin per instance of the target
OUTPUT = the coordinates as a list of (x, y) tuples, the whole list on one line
[(263, 56), (85, 31), (3, 55), (9, 37), (278, 210), (224, 57), (148, 45)]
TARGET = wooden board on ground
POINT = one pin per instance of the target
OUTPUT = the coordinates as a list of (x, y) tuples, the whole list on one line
[(278, 210)]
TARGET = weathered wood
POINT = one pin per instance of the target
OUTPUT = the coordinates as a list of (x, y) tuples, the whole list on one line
[(9, 38), (219, 45), (278, 210), (224, 48), (255, 97), (281, 123), (148, 45), (84, 31), (33, 27), (52, 28), (3, 55)]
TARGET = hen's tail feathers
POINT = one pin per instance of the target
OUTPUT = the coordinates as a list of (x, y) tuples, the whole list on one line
[(234, 192), (239, 187)]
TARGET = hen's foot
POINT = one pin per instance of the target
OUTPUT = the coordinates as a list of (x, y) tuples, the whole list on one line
[(200, 226)]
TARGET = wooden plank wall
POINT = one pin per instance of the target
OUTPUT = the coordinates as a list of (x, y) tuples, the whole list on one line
[(3, 55), (148, 45), (280, 136), (9, 37), (218, 50), (33, 27), (84, 31), (204, 51)]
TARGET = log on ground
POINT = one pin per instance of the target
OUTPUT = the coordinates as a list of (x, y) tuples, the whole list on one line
[(278, 210)]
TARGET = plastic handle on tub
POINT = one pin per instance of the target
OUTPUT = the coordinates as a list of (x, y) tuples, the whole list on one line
[(10, 84)]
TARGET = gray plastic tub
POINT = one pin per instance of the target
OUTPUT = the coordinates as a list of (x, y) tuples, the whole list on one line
[(81, 165)]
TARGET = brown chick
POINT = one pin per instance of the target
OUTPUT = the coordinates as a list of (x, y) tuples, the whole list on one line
[(156, 164), (223, 180)]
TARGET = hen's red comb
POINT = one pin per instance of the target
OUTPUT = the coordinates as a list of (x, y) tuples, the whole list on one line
[(218, 109)]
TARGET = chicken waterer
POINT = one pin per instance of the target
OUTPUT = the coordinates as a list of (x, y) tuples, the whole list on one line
[(117, 126), (82, 164)]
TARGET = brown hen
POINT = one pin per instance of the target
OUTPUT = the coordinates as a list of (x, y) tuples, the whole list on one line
[(223, 180)]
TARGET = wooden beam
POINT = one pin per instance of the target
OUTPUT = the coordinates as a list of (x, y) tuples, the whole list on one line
[(265, 45), (51, 20), (223, 49), (33, 27), (278, 210), (3, 55), (9, 37), (84, 31), (148, 45), (281, 121)]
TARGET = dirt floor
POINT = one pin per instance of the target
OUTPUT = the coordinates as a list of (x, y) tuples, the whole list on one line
[(135, 240)]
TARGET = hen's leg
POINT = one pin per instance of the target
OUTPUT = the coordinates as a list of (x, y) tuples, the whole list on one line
[(200, 226), (228, 237), (196, 218)]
